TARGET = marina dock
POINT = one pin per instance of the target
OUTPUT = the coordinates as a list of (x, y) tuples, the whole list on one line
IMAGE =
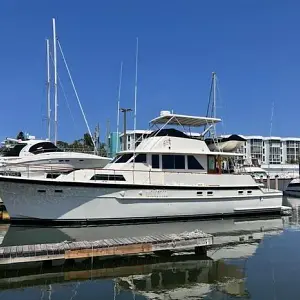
[(158, 244)]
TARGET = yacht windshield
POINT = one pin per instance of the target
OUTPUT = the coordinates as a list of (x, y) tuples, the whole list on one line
[(44, 147), (122, 158)]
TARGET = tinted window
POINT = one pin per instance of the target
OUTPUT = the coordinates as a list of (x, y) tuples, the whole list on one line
[(110, 177), (168, 162), (115, 159), (155, 161), (173, 162), (193, 163), (43, 147), (179, 162), (15, 151), (141, 158), (124, 158)]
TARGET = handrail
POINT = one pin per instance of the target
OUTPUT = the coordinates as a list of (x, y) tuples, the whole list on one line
[(56, 168), (59, 168)]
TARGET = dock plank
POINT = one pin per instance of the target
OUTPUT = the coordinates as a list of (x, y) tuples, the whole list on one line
[(105, 247)]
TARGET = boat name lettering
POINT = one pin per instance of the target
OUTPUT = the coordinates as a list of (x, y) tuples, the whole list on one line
[(157, 193)]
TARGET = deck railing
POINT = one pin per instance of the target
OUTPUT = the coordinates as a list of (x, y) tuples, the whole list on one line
[(149, 176)]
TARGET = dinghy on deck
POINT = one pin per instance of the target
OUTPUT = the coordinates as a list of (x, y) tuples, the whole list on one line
[(226, 144)]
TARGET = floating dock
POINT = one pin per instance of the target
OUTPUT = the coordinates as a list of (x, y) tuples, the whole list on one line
[(158, 244)]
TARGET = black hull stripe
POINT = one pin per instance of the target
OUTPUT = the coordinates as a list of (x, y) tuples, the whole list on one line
[(248, 213), (294, 184), (122, 186)]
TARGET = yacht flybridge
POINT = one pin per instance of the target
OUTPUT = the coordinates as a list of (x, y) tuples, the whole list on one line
[(168, 175), (41, 158)]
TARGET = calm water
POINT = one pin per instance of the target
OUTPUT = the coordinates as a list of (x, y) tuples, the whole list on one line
[(268, 269)]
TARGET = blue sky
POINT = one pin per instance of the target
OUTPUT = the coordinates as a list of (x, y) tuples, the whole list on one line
[(254, 46)]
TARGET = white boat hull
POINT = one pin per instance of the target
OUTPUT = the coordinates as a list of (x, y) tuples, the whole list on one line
[(29, 199), (60, 162)]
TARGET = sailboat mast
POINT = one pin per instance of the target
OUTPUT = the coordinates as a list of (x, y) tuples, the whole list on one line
[(135, 86), (214, 99), (55, 81), (118, 107), (48, 90)]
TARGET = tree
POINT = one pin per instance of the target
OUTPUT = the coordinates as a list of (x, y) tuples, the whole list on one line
[(21, 136), (102, 149), (62, 145), (87, 139)]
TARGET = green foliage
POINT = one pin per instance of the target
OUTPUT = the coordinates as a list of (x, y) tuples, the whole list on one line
[(21, 136), (83, 145), (87, 140)]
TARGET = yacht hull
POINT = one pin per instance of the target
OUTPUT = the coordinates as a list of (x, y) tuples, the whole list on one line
[(42, 200), (41, 165), (293, 189)]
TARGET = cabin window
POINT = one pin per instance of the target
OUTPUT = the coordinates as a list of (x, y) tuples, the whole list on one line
[(115, 159), (10, 173), (108, 177), (15, 151), (168, 162), (173, 162), (155, 161), (141, 158), (124, 158), (179, 162), (52, 175), (193, 163)]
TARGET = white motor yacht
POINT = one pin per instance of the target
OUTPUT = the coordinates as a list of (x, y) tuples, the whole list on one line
[(168, 175), (42, 159)]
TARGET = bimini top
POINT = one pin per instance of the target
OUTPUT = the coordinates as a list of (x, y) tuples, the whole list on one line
[(183, 120)]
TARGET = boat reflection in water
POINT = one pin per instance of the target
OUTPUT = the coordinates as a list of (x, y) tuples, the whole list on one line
[(184, 276), (224, 231)]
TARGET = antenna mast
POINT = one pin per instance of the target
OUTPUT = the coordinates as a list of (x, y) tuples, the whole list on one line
[(214, 94), (48, 90), (118, 107), (135, 86), (55, 81)]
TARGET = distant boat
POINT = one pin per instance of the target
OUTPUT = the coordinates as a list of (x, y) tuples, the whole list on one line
[(293, 188), (42, 159), (226, 144)]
